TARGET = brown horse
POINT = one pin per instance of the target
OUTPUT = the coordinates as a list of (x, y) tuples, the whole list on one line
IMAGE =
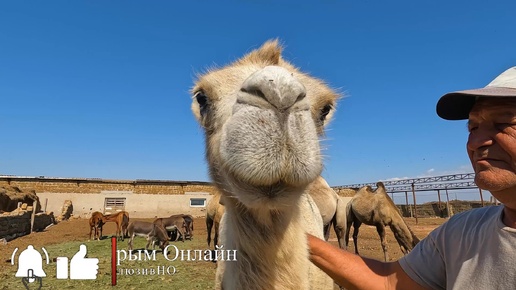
[(121, 219), (96, 223)]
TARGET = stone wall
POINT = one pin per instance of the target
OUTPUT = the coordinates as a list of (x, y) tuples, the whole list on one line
[(143, 198), (17, 223), (138, 205), (95, 185)]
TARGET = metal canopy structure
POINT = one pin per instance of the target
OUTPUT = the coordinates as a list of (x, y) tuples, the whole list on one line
[(434, 183), (444, 182)]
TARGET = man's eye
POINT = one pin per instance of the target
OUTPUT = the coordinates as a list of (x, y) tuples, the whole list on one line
[(472, 128), (503, 126)]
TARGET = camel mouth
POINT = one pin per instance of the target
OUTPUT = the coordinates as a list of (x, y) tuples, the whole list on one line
[(259, 148), (277, 189), (277, 196)]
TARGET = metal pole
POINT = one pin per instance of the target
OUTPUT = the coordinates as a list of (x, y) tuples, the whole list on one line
[(447, 203), (408, 207), (439, 198), (481, 196), (415, 204)]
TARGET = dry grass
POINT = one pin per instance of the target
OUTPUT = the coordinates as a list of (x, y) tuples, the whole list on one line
[(64, 239)]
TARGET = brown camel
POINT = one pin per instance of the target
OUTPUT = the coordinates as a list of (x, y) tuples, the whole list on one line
[(376, 208), (332, 208), (214, 212), (262, 119)]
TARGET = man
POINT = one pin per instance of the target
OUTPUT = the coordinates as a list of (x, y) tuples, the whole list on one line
[(474, 249)]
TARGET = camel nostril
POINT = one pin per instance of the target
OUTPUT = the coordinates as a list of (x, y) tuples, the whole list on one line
[(300, 97), (254, 92)]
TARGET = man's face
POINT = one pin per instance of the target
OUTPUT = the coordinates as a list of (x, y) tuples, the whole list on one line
[(492, 143)]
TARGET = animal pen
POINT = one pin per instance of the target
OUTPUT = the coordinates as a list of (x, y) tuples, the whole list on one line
[(440, 184)]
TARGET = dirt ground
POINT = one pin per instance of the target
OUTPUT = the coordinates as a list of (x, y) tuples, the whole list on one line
[(78, 230)]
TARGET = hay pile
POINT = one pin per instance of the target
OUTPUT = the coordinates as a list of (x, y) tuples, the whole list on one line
[(10, 196)]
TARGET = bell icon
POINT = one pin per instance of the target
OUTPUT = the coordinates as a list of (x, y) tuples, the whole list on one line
[(30, 264)]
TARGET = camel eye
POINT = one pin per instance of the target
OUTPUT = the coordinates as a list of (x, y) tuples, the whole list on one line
[(325, 111), (202, 100)]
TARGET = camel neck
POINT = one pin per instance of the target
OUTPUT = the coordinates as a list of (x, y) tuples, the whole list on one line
[(269, 242)]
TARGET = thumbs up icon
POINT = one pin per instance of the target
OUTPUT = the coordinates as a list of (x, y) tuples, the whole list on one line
[(83, 268)]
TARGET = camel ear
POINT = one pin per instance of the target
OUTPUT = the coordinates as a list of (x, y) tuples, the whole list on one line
[(269, 52)]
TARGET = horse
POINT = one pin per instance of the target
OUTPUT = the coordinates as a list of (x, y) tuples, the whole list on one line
[(174, 222), (151, 231), (189, 225), (96, 223), (121, 219)]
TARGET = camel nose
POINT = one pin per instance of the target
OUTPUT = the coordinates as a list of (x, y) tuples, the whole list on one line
[(276, 85)]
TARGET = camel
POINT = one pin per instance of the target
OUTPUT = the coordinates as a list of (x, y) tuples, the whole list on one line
[(262, 120), (332, 208), (214, 212), (376, 208), (96, 222)]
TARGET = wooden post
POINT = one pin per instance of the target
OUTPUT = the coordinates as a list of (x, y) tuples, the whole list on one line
[(33, 216), (415, 204), (45, 209), (481, 197)]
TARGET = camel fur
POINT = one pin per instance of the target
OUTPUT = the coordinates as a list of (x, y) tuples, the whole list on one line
[(262, 120)]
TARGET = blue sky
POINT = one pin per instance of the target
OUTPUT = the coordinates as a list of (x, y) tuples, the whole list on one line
[(100, 88)]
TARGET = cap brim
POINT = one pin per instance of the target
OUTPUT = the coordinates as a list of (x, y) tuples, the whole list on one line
[(457, 105)]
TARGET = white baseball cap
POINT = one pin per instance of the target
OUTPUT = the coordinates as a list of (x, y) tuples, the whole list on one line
[(456, 105)]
